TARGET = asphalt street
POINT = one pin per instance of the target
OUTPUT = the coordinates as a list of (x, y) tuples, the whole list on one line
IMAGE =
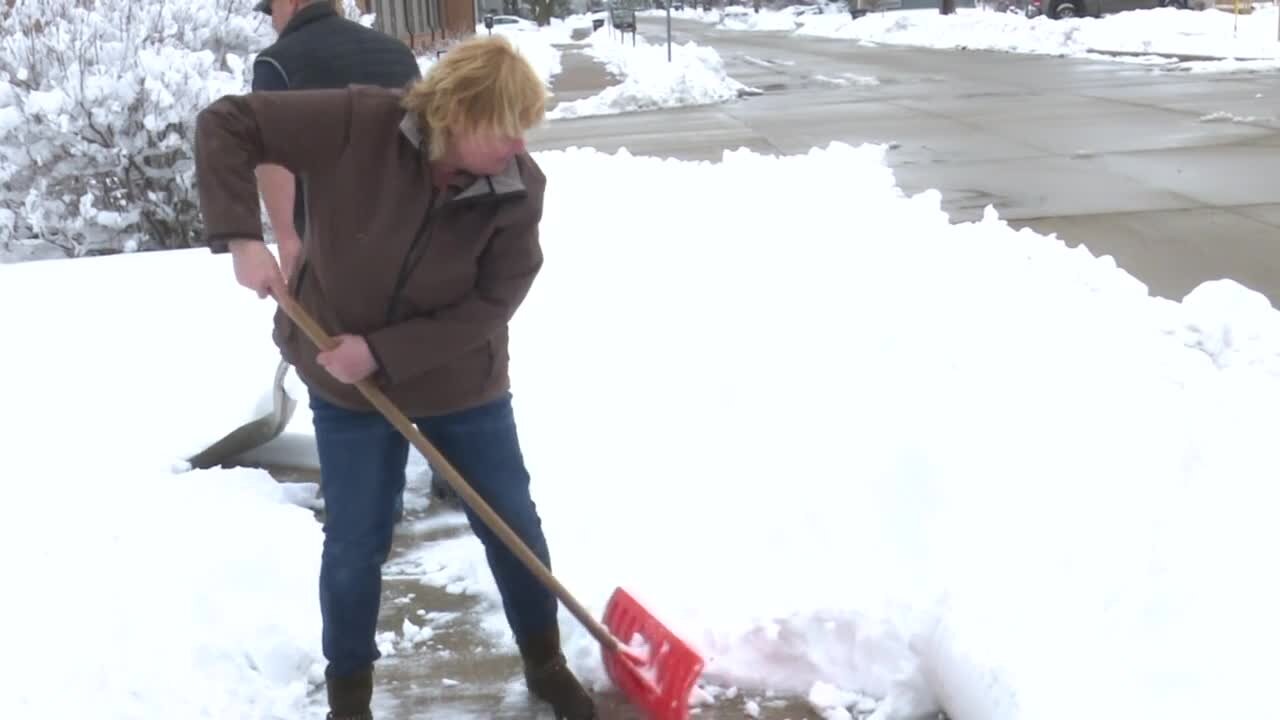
[(1121, 157)]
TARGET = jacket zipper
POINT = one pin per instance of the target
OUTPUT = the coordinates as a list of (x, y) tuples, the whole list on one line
[(416, 250), (297, 284)]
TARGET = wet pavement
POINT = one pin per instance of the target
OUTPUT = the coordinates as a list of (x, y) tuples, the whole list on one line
[(440, 663), (580, 76), (1170, 172)]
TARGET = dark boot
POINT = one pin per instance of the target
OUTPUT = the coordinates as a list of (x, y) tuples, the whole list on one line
[(350, 695), (547, 675)]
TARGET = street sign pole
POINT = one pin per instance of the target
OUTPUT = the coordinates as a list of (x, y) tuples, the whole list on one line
[(668, 4)]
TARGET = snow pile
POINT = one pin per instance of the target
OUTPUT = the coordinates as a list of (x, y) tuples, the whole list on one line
[(536, 44), (741, 18), (851, 451), (884, 456), (97, 102), (694, 76), (578, 21), (153, 594), (833, 703), (1165, 31), (537, 48), (685, 13)]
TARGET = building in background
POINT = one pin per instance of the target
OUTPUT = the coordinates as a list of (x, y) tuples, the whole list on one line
[(424, 24)]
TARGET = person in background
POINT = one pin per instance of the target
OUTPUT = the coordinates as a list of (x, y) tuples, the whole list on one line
[(429, 243), (318, 48)]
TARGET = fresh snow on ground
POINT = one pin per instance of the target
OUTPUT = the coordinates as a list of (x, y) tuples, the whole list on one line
[(695, 75), (144, 593), (1158, 31), (849, 450)]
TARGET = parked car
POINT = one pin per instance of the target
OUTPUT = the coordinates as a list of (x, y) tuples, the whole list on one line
[(512, 22), (1058, 9)]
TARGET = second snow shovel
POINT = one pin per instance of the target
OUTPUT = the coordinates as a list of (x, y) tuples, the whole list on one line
[(653, 667), (254, 433)]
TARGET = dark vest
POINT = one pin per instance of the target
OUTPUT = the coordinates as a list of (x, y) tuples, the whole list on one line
[(319, 49)]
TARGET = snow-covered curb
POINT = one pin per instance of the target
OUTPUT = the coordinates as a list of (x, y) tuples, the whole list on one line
[(1158, 36)]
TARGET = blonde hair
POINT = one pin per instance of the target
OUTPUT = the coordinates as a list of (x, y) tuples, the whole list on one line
[(480, 85)]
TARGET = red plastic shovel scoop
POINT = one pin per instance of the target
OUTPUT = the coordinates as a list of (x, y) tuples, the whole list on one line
[(655, 669), (649, 664)]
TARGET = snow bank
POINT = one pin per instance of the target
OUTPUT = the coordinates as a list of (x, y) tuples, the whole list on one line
[(537, 44), (741, 18), (850, 443), (848, 449), (685, 13), (145, 594), (695, 75), (1168, 31)]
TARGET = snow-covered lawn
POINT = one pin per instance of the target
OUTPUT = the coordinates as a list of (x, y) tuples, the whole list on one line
[(844, 448), (1160, 31)]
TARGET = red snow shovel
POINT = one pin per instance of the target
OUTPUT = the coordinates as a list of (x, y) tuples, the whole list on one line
[(653, 667)]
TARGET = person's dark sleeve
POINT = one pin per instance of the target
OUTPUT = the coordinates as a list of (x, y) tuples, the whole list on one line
[(267, 76), (302, 130)]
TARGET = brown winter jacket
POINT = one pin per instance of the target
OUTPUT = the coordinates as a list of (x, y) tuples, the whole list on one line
[(430, 279)]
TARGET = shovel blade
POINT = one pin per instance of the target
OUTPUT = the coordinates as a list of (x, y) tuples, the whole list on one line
[(655, 669)]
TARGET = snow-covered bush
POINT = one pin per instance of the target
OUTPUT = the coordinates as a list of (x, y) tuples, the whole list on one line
[(351, 11), (97, 104)]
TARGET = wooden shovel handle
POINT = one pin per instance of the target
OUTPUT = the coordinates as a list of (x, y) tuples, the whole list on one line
[(440, 464)]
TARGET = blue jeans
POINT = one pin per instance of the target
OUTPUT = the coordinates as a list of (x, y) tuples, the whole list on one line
[(362, 474)]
